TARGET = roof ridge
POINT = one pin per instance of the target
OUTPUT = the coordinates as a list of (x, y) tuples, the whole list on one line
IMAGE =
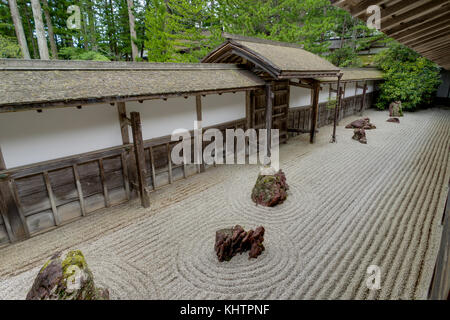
[(21, 64), (229, 36)]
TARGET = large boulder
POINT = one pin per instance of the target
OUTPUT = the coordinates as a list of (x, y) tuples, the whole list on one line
[(230, 242), (66, 277), (361, 124), (270, 190), (395, 109)]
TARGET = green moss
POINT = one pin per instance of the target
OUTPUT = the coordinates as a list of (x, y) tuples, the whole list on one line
[(74, 257), (45, 266)]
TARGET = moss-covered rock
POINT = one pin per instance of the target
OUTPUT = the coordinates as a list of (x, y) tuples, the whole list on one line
[(396, 109), (66, 277), (270, 190)]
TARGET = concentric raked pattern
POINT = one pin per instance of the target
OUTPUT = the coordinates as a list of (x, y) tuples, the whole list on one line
[(350, 206)]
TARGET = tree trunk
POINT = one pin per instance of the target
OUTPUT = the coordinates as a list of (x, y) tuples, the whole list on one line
[(92, 25), (30, 30), (134, 48), (19, 29), (40, 33), (51, 35)]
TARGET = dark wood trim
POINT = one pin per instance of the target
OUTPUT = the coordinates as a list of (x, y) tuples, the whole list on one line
[(336, 108), (123, 120), (115, 99), (51, 198), (269, 110), (363, 102), (315, 111), (79, 189), (140, 158)]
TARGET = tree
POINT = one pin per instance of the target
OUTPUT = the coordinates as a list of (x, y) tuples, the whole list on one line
[(409, 78), (19, 29), (40, 33), (51, 35), (134, 48)]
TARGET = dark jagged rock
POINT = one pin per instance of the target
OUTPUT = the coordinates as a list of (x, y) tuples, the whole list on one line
[(66, 278), (270, 190), (395, 109), (394, 120), (230, 242), (360, 135), (361, 124)]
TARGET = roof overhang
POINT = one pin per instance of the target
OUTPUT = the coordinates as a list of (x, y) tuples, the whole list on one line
[(230, 49), (422, 25)]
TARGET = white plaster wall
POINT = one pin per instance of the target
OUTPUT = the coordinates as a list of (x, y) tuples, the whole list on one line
[(222, 108), (324, 93), (350, 89), (360, 91), (160, 118), (29, 137), (299, 97)]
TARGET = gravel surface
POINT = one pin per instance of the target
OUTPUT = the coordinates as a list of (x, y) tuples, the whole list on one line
[(349, 206)]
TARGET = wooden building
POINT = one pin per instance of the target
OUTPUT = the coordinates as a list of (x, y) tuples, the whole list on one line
[(78, 136)]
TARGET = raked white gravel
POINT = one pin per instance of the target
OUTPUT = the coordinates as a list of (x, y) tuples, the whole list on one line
[(350, 206)]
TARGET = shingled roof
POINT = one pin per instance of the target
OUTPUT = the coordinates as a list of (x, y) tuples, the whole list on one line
[(280, 60), (356, 74), (36, 84)]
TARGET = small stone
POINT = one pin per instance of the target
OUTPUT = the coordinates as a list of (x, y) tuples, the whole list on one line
[(394, 120), (66, 278)]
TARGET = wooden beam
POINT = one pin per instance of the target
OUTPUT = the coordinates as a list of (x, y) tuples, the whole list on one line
[(269, 110), (421, 32), (363, 102), (104, 185), (79, 189), (198, 102), (51, 198), (337, 108), (140, 158), (123, 120), (300, 85), (3, 205), (413, 14), (315, 111)]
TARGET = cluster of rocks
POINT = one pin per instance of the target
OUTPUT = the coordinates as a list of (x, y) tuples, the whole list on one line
[(361, 124), (270, 189), (230, 242), (66, 277)]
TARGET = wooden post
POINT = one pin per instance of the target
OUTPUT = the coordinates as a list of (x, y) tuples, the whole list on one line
[(123, 122), (248, 109), (363, 102), (269, 107), (315, 111), (140, 158), (198, 102), (336, 108), (9, 211)]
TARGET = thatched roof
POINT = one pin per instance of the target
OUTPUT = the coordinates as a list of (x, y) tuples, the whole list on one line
[(36, 84), (356, 74), (280, 60)]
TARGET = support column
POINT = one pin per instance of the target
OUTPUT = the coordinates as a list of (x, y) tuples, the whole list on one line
[(337, 107), (363, 102), (269, 110), (128, 158), (198, 102), (15, 227), (315, 111), (140, 158)]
